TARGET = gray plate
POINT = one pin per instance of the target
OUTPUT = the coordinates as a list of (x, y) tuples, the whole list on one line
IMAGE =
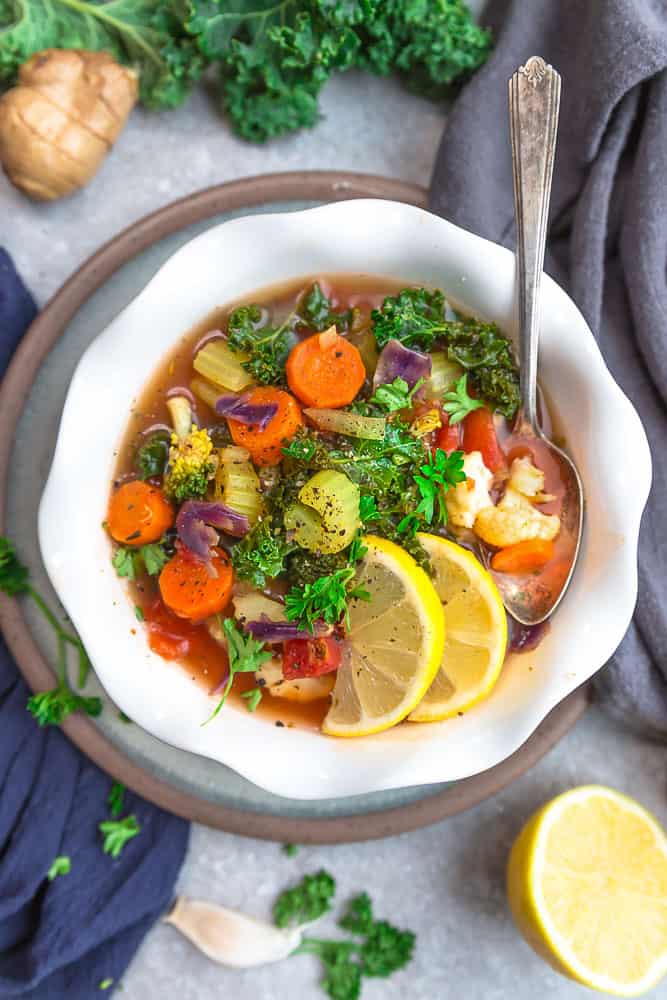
[(214, 786)]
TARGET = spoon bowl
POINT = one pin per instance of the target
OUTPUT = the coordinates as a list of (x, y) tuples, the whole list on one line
[(534, 98)]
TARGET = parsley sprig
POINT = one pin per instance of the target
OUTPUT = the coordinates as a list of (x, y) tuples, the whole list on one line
[(326, 599), (396, 395), (440, 472), (377, 948), (61, 865), (129, 562), (458, 404), (246, 655), (49, 708), (117, 832)]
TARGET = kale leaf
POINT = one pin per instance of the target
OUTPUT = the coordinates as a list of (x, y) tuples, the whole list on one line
[(267, 346), (415, 317), (260, 556), (486, 354), (146, 34), (275, 56), (317, 313)]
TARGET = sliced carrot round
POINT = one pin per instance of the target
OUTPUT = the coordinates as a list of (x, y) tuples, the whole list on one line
[(523, 557), (189, 588), (325, 370), (139, 513), (265, 445)]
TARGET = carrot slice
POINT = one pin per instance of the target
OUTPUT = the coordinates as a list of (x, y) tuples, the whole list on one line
[(138, 513), (325, 370), (479, 434), (264, 445), (189, 589), (523, 556)]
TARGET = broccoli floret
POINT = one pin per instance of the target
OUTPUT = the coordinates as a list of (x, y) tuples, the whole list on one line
[(191, 465)]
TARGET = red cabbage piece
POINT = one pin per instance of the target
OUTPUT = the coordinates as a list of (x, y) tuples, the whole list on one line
[(238, 408), (525, 638), (197, 519), (397, 361), (267, 630)]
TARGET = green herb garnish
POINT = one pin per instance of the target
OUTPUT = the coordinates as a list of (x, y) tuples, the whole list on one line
[(62, 865), (301, 449), (252, 698), (395, 396), (438, 474), (458, 404), (138, 612), (326, 598), (305, 902), (268, 347), (105, 984), (117, 832), (317, 313), (368, 510), (261, 554), (377, 948), (115, 799), (246, 655), (291, 850), (49, 708), (130, 562), (152, 457)]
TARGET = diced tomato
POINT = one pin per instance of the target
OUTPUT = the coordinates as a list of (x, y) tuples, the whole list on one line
[(311, 657), (448, 436), (479, 434)]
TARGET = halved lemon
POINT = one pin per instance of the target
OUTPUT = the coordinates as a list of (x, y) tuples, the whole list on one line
[(587, 884), (395, 644), (476, 632)]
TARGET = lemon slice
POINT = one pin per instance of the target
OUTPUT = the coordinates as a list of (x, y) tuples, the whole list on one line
[(395, 644), (587, 883), (476, 627)]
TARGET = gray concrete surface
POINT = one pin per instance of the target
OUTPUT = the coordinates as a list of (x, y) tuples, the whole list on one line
[(445, 882)]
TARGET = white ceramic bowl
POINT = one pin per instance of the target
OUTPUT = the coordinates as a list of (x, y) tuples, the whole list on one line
[(603, 431)]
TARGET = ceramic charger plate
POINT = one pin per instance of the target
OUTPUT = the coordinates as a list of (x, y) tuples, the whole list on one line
[(193, 786)]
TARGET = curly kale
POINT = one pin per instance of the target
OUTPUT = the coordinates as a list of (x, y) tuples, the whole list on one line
[(486, 354), (260, 556), (267, 346), (416, 317), (274, 56), (317, 312), (148, 35)]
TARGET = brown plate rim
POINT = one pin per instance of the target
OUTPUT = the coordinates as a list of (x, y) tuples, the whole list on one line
[(35, 345)]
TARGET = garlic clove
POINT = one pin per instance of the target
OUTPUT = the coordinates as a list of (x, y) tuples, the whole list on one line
[(231, 938)]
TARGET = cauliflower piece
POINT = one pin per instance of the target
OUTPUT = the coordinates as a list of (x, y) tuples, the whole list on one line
[(191, 465), (471, 496), (269, 678), (514, 520), (527, 479)]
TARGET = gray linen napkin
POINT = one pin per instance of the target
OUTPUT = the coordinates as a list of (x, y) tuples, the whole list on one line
[(607, 240)]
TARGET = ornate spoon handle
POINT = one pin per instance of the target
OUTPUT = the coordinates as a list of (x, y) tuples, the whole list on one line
[(534, 98)]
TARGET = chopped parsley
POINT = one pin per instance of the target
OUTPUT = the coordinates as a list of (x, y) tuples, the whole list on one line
[(117, 832), (395, 396), (326, 598), (49, 708), (61, 865), (115, 799), (246, 655), (252, 698), (458, 404), (375, 948), (437, 475), (130, 562)]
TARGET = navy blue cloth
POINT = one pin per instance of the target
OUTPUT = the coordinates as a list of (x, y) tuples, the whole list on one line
[(61, 939)]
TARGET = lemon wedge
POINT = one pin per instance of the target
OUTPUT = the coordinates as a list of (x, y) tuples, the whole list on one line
[(476, 632), (587, 883), (395, 644)]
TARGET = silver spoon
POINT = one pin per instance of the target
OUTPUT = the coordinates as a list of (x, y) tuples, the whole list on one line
[(534, 98)]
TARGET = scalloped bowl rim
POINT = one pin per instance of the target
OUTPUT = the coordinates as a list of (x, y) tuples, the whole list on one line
[(384, 238)]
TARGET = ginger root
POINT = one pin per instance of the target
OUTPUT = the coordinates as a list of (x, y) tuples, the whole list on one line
[(61, 120)]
